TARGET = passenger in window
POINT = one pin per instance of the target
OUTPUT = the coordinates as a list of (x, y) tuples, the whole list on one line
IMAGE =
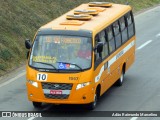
[(110, 39), (129, 19), (122, 23), (84, 52), (110, 35), (116, 28), (110, 46)]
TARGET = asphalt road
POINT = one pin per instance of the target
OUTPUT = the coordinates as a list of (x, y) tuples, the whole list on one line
[(140, 91)]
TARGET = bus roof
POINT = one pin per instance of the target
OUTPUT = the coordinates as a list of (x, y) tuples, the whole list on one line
[(97, 23)]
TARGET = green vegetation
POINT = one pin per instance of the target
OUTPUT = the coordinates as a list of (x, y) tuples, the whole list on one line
[(19, 19)]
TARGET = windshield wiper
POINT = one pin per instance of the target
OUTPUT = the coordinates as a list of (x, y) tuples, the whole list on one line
[(48, 64), (72, 64)]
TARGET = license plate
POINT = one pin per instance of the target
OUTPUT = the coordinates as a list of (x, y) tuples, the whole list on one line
[(56, 92)]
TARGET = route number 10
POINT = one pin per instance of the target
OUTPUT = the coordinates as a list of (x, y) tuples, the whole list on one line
[(41, 77)]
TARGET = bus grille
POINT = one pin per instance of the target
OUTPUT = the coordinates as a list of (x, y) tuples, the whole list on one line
[(56, 86)]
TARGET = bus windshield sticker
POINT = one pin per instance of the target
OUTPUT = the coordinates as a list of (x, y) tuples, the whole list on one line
[(46, 59), (48, 39), (72, 66), (67, 66), (56, 39), (62, 66)]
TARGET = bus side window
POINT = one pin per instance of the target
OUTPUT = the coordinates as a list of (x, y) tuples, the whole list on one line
[(117, 35), (123, 28), (102, 37), (110, 39), (97, 55), (130, 24)]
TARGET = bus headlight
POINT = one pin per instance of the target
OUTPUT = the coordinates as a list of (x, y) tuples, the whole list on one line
[(33, 83), (81, 85)]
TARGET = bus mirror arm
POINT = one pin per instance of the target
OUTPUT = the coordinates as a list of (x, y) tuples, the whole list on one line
[(28, 44), (99, 47), (27, 54)]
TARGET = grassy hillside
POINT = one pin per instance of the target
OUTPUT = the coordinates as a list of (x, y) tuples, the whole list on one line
[(19, 19)]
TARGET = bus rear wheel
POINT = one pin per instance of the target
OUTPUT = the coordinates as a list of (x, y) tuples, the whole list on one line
[(37, 104), (121, 79)]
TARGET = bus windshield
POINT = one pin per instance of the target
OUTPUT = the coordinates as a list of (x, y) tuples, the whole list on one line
[(61, 52)]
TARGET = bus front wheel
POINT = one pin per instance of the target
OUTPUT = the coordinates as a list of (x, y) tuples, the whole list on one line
[(93, 104), (37, 104)]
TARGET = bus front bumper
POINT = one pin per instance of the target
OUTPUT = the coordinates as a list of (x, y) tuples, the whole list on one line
[(81, 96)]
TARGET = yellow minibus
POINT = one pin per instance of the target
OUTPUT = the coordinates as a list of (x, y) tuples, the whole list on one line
[(77, 57)]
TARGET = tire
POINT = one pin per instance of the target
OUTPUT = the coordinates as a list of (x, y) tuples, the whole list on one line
[(121, 79), (37, 104), (93, 104)]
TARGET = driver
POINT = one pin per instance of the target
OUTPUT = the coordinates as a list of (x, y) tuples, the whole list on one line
[(84, 52)]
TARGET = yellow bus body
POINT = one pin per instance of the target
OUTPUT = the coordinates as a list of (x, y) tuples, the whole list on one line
[(101, 76)]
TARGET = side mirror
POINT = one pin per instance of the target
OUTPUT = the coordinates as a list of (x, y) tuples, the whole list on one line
[(28, 44), (99, 47)]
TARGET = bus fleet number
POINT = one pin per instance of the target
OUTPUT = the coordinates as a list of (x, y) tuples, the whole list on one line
[(41, 77)]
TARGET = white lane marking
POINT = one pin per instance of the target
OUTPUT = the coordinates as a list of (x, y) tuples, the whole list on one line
[(11, 80), (143, 45), (134, 118), (158, 35), (31, 118)]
